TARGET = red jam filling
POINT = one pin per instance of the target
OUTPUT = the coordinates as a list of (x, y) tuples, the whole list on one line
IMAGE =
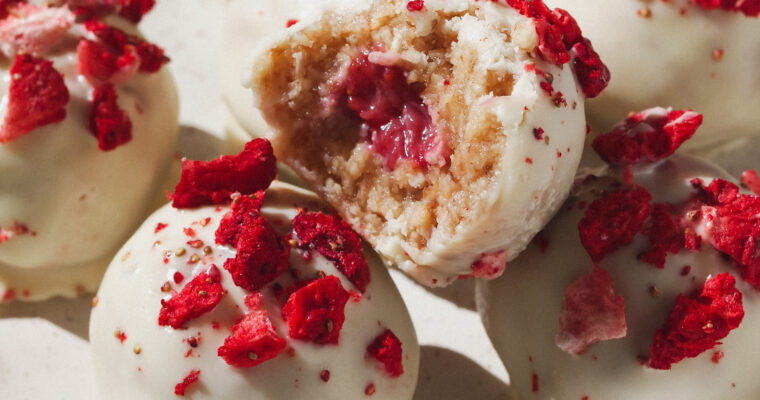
[(396, 118)]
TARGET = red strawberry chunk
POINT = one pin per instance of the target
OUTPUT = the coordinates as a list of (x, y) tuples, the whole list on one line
[(335, 240), (750, 8), (386, 348), (37, 96), (244, 210), (612, 221), (7, 5), (698, 322), (191, 378), (731, 224), (591, 312), (261, 255), (131, 10), (198, 297), (116, 56), (665, 236), (108, 123), (212, 182), (315, 312), (647, 136), (560, 40), (33, 30), (253, 340), (751, 181)]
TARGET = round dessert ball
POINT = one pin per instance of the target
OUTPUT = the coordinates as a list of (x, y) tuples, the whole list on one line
[(295, 309), (89, 122), (680, 54), (635, 291), (446, 133)]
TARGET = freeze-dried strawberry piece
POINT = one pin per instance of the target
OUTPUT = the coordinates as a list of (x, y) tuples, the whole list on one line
[(116, 55), (731, 224), (591, 312), (7, 5), (134, 10), (386, 348), (244, 209), (253, 340), (212, 182), (261, 255), (665, 235), (315, 312), (131, 10), (490, 265), (647, 136), (697, 322), (751, 8), (612, 221), (37, 96), (335, 240), (33, 30), (560, 40), (198, 297), (751, 181), (108, 123), (191, 378)]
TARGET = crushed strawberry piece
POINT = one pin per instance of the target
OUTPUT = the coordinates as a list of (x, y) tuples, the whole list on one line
[(37, 96), (751, 181), (750, 8), (261, 255), (386, 348), (212, 182), (731, 224), (191, 378), (560, 40), (612, 221), (131, 10), (7, 5), (197, 297), (116, 55), (160, 226), (490, 265), (254, 339), (397, 118), (244, 210), (647, 136), (108, 123), (335, 240), (33, 30), (665, 235), (591, 312), (415, 5), (698, 322), (315, 312)]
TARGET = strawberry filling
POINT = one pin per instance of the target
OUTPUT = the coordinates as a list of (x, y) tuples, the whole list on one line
[(396, 119)]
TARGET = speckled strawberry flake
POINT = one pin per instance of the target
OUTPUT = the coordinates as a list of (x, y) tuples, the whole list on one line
[(315, 312)]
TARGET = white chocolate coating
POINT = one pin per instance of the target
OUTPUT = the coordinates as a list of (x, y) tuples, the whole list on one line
[(521, 310), (130, 298), (666, 59), (81, 202), (534, 176)]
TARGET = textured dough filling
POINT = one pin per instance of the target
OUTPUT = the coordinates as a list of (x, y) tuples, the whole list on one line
[(386, 123)]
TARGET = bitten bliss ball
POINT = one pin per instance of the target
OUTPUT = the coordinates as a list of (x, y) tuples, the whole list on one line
[(696, 54), (446, 133), (89, 122), (645, 285), (272, 301)]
